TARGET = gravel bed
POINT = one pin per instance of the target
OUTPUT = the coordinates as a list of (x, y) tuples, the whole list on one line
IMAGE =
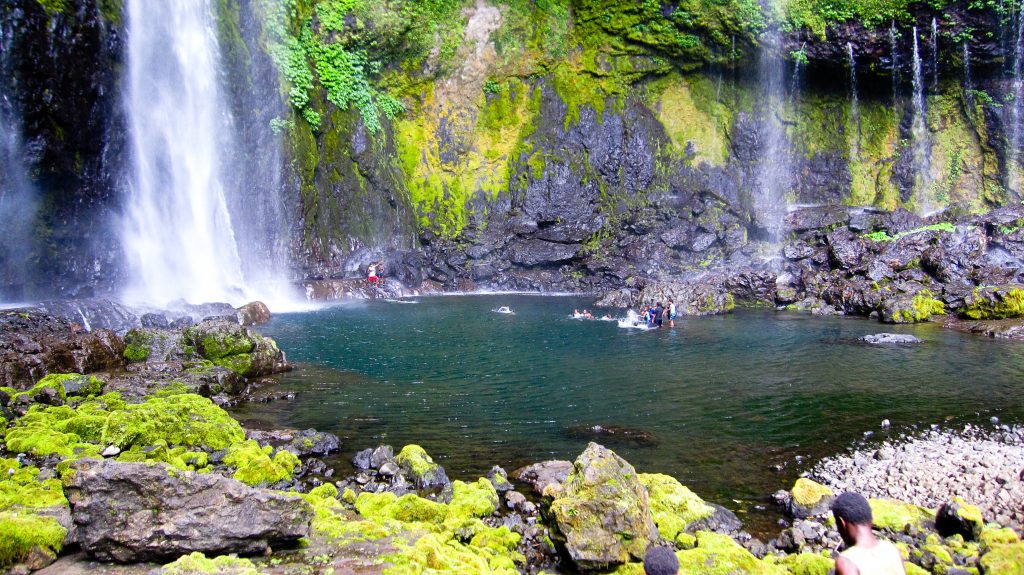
[(984, 467)]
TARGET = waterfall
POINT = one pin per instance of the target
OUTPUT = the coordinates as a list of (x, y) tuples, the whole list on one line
[(921, 139), (1013, 154), (18, 200), (854, 103), (774, 174), (177, 230), (968, 84), (894, 57), (935, 54)]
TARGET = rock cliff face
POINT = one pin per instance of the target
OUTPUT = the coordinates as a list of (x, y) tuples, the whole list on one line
[(521, 145)]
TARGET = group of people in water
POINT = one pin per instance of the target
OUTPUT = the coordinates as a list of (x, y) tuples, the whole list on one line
[(585, 314), (656, 315)]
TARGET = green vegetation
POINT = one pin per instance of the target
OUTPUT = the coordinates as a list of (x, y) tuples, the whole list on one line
[(137, 345), (673, 505), (817, 15), (256, 466), (20, 533), (882, 236), (196, 562), (995, 303)]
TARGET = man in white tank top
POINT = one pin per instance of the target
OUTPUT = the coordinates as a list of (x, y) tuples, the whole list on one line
[(865, 554)]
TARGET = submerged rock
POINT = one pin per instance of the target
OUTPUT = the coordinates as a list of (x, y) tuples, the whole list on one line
[(889, 338), (131, 512), (541, 475), (602, 511), (614, 433)]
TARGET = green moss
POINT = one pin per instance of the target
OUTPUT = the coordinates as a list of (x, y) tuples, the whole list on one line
[(896, 515), (469, 500), (331, 519), (137, 345), (884, 237), (694, 118), (806, 563), (992, 537), (196, 562), (222, 344), (673, 506), (177, 457), (255, 466), (21, 532), (807, 493), (21, 488), (54, 381), (240, 363), (409, 508), (1004, 559), (54, 6), (440, 553), (717, 554), (184, 419), (995, 303), (415, 459)]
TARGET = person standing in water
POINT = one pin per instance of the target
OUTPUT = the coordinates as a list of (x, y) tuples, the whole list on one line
[(671, 313), (371, 274), (865, 554), (659, 313)]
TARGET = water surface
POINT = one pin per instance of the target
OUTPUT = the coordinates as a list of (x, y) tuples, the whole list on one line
[(726, 398)]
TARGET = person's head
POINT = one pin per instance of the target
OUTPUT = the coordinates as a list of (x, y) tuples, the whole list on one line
[(853, 515), (660, 561), (659, 304)]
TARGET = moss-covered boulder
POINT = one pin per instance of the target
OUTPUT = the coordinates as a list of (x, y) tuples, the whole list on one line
[(602, 511), (420, 468), (808, 498), (957, 517), (21, 533), (183, 419), (993, 536), (995, 302), (1004, 559), (673, 506), (717, 554), (807, 563), (257, 465), (241, 350), (897, 515), (912, 309)]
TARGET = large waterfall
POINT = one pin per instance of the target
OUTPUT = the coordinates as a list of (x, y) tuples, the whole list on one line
[(177, 232), (774, 172)]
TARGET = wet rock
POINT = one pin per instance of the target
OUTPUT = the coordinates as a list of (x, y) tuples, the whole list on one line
[(235, 347), (499, 479), (890, 339), (131, 512), (154, 320), (541, 475), (381, 455), (361, 460), (808, 498), (253, 313), (302, 443), (33, 344), (602, 511)]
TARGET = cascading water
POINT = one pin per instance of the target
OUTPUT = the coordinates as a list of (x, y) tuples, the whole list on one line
[(854, 103), (935, 54), (968, 83), (894, 62), (177, 231), (1016, 108), (18, 202), (774, 173), (921, 140)]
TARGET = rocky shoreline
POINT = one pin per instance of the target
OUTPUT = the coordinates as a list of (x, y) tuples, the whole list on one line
[(115, 447)]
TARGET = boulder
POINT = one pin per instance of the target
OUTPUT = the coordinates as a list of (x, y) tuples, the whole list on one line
[(421, 469), (300, 443), (253, 313), (889, 339), (540, 475), (995, 302), (957, 517), (132, 512), (602, 511), (808, 498), (237, 348)]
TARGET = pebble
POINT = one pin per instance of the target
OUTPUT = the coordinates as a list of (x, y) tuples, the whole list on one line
[(983, 467)]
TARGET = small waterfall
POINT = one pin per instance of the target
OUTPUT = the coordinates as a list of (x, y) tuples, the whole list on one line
[(894, 57), (774, 174), (1017, 108), (18, 199), (854, 102), (921, 139), (177, 232), (935, 54), (968, 83)]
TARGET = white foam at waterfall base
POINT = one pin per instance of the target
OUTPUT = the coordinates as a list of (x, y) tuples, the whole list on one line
[(176, 230)]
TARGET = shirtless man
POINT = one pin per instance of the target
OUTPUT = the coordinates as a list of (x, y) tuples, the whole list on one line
[(865, 554)]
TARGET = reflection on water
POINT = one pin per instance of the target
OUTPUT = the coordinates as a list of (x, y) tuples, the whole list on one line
[(724, 398)]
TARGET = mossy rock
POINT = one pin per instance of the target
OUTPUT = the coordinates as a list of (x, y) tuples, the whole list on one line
[(196, 562), (182, 419), (807, 563), (409, 508), (808, 498), (673, 506), (255, 466), (957, 517), (21, 489), (897, 515), (999, 302), (1004, 560), (717, 554), (918, 308), (20, 532), (992, 537), (420, 467), (440, 553), (137, 345), (469, 500), (178, 457)]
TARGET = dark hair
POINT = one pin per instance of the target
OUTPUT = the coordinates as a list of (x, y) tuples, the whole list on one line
[(852, 508), (660, 561)]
